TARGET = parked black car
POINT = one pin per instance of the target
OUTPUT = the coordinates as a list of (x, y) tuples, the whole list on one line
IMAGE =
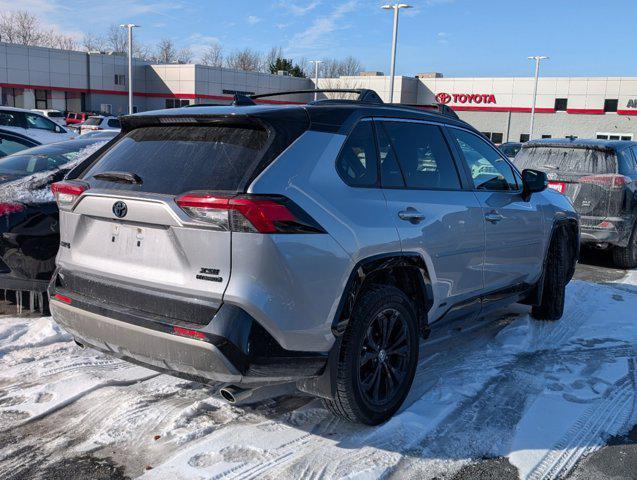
[(600, 178), (12, 142), (510, 149), (29, 230)]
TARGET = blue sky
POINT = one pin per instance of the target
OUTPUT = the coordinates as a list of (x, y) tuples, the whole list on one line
[(456, 37)]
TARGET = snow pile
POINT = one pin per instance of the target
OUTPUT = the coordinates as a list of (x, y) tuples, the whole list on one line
[(35, 188), (540, 393)]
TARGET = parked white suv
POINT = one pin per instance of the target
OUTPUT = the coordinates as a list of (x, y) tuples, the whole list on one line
[(100, 122), (53, 115), (33, 125)]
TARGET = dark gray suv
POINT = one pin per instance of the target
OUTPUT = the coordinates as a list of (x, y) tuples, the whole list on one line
[(600, 178), (259, 245)]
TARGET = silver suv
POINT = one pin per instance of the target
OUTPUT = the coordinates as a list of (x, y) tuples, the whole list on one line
[(310, 245)]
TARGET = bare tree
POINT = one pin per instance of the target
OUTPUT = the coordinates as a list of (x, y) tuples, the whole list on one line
[(93, 43), (333, 67), (24, 28), (212, 56), (270, 59), (117, 39), (247, 60), (166, 52)]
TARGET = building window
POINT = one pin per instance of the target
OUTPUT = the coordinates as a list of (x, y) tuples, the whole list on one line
[(613, 136), (135, 109), (560, 104), (12, 97), (120, 79), (546, 136), (41, 99), (610, 105), (524, 137), (106, 108), (176, 103), (495, 137)]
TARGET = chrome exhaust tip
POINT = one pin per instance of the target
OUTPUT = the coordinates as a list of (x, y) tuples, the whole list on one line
[(233, 395)]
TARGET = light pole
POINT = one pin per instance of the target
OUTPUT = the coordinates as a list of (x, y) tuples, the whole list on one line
[(395, 7), (316, 75), (130, 27), (538, 59)]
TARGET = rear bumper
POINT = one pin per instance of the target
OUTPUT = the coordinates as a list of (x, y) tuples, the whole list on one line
[(613, 230), (232, 348), (159, 350)]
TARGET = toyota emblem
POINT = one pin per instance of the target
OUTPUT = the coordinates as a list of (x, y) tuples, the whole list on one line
[(443, 98), (120, 209)]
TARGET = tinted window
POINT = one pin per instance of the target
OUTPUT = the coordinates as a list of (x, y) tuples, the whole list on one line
[(496, 137), (174, 160), (567, 159), (423, 155), (39, 122), (510, 150), (561, 104), (356, 163), (610, 105), (390, 174), (10, 145), (489, 170), (10, 119), (113, 123), (524, 137)]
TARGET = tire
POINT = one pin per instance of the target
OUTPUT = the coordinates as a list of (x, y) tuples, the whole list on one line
[(555, 279), (626, 257), (372, 385)]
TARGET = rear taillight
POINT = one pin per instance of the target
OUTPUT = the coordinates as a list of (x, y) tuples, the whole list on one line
[(186, 332), (248, 213), (610, 180), (67, 193), (7, 208), (558, 186)]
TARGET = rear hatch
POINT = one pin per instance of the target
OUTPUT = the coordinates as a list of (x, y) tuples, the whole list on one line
[(586, 175), (132, 226)]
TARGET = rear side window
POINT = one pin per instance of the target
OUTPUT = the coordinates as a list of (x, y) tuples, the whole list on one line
[(356, 164), (173, 160), (93, 121), (113, 123), (10, 119), (567, 159), (423, 155)]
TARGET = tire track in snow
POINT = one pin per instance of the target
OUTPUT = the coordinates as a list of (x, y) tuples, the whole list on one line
[(609, 414)]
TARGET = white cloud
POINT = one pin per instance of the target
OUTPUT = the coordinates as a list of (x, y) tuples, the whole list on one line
[(253, 19), (443, 37), (322, 26), (299, 10)]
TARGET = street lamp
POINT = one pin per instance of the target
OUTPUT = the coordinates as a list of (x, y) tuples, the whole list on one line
[(395, 7), (538, 59), (130, 27), (316, 75)]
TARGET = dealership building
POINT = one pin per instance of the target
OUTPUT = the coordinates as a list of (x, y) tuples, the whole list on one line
[(595, 107)]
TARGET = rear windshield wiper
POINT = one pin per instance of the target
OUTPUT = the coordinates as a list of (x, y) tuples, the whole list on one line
[(119, 177)]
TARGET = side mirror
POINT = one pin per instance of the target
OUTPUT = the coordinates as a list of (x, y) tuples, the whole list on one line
[(533, 181), (58, 129)]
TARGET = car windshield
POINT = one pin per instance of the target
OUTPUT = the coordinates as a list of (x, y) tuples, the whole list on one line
[(510, 150), (567, 159), (93, 121)]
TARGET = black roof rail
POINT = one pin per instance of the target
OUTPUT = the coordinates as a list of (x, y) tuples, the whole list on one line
[(365, 95)]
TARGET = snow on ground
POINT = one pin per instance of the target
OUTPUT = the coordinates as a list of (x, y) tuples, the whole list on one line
[(540, 393)]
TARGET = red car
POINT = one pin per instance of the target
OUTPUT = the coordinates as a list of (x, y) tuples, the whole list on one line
[(76, 118)]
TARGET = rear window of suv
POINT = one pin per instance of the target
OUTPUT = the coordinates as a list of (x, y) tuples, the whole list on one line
[(563, 159), (173, 160), (93, 121)]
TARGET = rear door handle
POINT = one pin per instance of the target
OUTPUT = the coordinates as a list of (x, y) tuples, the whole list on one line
[(410, 214), (493, 217)]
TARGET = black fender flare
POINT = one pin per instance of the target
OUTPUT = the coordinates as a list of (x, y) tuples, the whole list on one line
[(325, 384)]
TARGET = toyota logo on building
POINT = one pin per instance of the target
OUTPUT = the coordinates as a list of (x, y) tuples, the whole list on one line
[(120, 209), (443, 98)]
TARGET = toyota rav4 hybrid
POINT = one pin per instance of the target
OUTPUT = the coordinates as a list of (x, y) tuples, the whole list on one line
[(255, 246)]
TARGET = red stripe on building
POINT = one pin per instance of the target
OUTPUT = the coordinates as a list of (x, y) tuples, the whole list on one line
[(465, 108), (586, 111), (627, 112), (42, 87)]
